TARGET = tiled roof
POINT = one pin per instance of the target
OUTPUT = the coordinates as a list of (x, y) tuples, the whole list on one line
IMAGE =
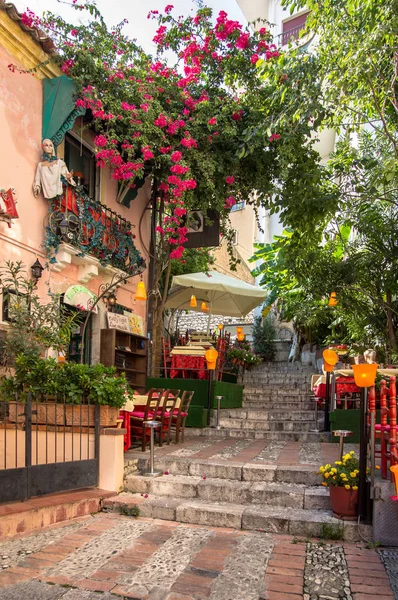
[(38, 36)]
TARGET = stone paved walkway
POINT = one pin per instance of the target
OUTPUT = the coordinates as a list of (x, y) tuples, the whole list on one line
[(110, 556), (250, 451)]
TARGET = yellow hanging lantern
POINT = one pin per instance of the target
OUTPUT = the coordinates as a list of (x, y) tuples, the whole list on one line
[(211, 358), (140, 292), (203, 306), (365, 375), (193, 303), (333, 299)]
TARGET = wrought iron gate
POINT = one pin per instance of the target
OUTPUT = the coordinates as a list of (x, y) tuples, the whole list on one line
[(47, 446)]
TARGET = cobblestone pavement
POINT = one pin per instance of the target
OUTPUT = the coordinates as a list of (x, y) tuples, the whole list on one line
[(389, 556), (114, 557)]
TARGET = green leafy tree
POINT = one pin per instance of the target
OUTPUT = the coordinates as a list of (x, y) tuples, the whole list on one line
[(264, 335)]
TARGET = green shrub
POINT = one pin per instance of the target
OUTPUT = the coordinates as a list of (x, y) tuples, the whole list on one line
[(264, 335)]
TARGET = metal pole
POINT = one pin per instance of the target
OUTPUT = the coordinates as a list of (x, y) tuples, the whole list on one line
[(333, 393), (363, 440), (218, 398), (372, 454), (209, 398), (327, 421), (341, 447), (151, 451)]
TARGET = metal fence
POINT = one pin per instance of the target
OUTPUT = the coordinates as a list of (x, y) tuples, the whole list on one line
[(47, 445)]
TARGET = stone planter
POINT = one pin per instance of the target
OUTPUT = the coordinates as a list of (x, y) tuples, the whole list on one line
[(82, 414), (42, 413), (344, 502)]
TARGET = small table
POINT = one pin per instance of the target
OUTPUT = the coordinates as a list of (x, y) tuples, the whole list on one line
[(342, 433)]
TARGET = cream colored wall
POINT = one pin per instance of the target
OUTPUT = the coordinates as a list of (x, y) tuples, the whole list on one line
[(253, 9), (244, 221)]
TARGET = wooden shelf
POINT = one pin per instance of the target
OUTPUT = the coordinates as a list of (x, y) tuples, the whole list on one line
[(135, 359)]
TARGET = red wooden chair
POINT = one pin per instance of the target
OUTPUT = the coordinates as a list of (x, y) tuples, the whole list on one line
[(145, 413), (166, 356), (177, 422), (165, 412), (386, 431)]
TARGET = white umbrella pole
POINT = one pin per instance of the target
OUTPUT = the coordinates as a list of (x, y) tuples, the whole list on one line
[(208, 320)]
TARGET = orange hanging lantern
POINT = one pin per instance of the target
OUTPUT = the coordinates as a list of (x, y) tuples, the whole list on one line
[(239, 330), (203, 306), (192, 302), (330, 358), (211, 358), (140, 293), (241, 337), (365, 375), (220, 326), (333, 299), (394, 471)]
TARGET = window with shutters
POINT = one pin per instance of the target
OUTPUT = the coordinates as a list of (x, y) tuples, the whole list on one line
[(291, 29)]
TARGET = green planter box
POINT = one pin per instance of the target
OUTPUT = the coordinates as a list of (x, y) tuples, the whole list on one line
[(348, 419)]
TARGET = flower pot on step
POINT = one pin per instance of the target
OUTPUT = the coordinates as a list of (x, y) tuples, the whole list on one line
[(344, 502)]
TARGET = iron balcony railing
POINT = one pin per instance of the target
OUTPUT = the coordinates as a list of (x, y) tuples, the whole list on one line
[(288, 36), (92, 228)]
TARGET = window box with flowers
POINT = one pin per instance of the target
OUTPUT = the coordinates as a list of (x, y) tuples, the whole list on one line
[(342, 479)]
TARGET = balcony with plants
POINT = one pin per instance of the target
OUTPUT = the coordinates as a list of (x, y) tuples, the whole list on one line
[(83, 231)]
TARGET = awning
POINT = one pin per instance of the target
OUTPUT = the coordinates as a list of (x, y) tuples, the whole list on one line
[(80, 297), (59, 108)]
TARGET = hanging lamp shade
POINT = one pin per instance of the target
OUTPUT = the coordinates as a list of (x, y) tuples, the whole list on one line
[(203, 306), (330, 357), (193, 303), (239, 330), (333, 299), (140, 293), (211, 358), (241, 337), (220, 326), (365, 374)]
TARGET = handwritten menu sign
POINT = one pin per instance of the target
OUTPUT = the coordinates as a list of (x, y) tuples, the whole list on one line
[(120, 322)]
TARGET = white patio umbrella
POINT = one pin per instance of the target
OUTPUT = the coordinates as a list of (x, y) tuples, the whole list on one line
[(225, 295)]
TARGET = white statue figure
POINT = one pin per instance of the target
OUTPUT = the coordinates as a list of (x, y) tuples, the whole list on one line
[(48, 173)]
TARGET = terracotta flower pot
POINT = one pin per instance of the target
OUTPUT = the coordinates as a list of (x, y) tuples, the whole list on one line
[(344, 502)]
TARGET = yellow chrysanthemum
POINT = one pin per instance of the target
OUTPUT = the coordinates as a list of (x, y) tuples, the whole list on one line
[(321, 469), (324, 483), (352, 452), (347, 487), (353, 474), (354, 487), (326, 475), (338, 462)]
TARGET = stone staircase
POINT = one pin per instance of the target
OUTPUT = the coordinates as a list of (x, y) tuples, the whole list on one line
[(277, 405), (270, 498)]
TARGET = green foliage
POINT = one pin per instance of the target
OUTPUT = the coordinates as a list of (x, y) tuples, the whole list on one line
[(264, 335), (241, 354), (35, 326), (332, 532), (69, 382), (130, 511)]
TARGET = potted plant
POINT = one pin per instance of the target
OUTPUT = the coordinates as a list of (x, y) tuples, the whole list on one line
[(342, 479)]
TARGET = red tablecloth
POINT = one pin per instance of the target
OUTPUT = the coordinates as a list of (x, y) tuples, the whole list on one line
[(344, 385), (188, 367)]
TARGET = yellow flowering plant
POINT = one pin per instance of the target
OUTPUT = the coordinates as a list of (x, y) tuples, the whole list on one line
[(344, 473)]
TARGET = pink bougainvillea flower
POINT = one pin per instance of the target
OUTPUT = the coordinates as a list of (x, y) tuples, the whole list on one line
[(159, 229), (166, 473), (274, 136), (176, 156), (237, 115), (254, 58), (212, 121), (204, 477), (100, 141), (161, 121), (262, 31), (243, 41), (165, 149), (230, 179), (147, 153), (229, 202), (168, 8), (146, 496)]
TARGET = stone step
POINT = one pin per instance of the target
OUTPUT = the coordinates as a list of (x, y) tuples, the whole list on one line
[(276, 405), (233, 471), (285, 436), (287, 495), (268, 415), (36, 513), (261, 425), (271, 519)]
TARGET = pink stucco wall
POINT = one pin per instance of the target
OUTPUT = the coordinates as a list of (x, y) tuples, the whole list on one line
[(20, 126)]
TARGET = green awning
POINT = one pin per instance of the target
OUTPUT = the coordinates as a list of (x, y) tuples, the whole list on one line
[(59, 108)]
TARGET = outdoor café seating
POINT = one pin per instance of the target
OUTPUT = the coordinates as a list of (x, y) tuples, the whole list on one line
[(161, 405)]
